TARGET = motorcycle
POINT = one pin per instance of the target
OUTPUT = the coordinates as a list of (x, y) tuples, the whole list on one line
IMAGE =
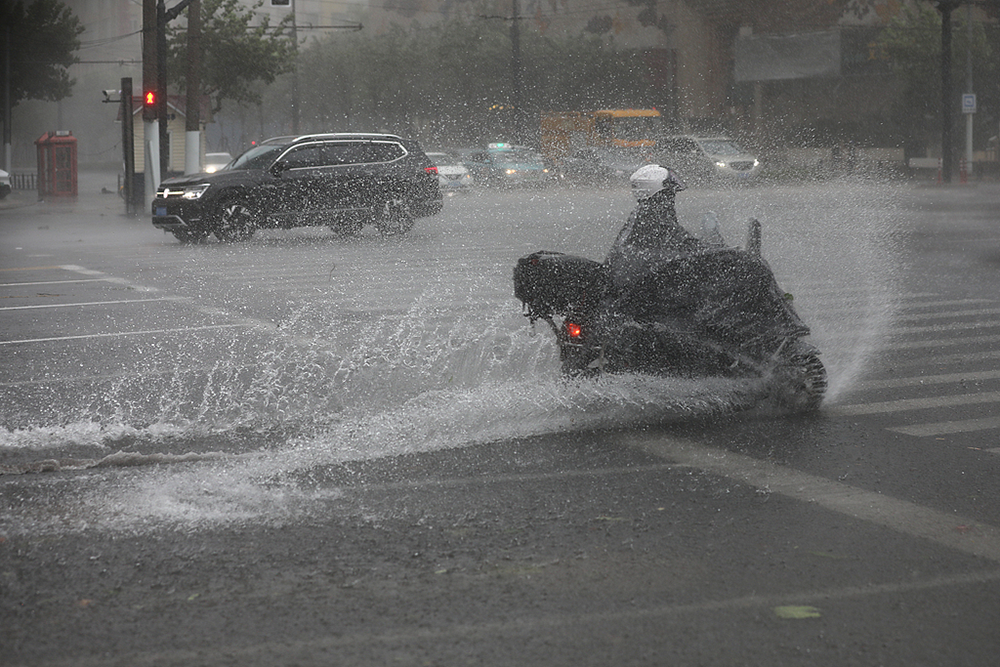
[(716, 312)]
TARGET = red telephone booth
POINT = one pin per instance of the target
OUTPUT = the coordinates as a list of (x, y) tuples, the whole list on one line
[(57, 164)]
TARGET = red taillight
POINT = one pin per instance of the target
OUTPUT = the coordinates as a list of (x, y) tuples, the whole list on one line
[(573, 329), (431, 170)]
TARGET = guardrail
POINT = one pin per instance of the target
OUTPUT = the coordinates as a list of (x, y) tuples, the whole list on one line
[(25, 181)]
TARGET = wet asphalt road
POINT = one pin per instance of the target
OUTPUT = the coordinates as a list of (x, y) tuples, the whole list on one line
[(192, 478)]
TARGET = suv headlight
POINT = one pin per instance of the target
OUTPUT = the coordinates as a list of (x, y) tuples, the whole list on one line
[(195, 191)]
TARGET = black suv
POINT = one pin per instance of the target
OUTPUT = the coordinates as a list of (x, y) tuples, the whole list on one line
[(341, 180)]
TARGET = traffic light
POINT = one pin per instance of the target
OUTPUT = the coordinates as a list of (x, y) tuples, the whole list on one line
[(149, 99)]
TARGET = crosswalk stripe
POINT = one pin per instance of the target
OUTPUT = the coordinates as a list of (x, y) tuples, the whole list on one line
[(924, 380), (946, 314), (896, 345), (942, 359), (955, 326), (949, 427), (905, 404)]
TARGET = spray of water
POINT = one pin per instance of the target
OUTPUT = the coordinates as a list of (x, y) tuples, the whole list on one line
[(455, 369)]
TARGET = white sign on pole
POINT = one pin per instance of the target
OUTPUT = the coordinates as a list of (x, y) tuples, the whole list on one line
[(969, 103)]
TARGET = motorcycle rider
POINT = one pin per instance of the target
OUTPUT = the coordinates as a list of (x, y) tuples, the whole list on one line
[(658, 272), (638, 263), (653, 224)]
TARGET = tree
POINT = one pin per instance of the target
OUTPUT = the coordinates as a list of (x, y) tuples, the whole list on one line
[(912, 42), (44, 35), (449, 79), (236, 55)]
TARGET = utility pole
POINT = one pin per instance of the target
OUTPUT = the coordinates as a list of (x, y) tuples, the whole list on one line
[(128, 143), (150, 144), (968, 88), (296, 102), (6, 101), (163, 17), (947, 102), (161, 88), (516, 118), (516, 74), (192, 127)]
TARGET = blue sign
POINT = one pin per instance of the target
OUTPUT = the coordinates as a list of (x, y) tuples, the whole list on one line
[(969, 103)]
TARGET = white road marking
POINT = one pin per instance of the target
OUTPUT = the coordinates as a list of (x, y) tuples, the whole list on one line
[(949, 427), (924, 380), (121, 333), (83, 304), (893, 345), (55, 282), (883, 407), (946, 529), (945, 314)]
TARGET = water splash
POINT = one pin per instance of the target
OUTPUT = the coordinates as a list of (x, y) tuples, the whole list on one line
[(458, 367)]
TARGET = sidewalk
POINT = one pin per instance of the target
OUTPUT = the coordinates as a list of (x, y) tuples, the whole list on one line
[(97, 196)]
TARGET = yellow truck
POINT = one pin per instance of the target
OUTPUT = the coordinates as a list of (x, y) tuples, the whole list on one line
[(565, 132)]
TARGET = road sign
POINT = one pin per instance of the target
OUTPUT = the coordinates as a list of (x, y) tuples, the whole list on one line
[(969, 103)]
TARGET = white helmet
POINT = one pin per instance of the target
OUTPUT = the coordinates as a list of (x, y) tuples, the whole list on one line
[(650, 179)]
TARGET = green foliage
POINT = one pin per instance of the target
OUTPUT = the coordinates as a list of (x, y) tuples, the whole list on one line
[(44, 37), (239, 51), (912, 43), (449, 76)]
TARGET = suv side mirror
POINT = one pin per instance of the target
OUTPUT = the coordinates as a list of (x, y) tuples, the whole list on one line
[(278, 168)]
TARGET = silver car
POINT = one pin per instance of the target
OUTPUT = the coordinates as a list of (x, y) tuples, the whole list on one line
[(707, 159), (452, 174)]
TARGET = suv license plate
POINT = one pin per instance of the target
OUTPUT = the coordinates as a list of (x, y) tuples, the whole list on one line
[(161, 210)]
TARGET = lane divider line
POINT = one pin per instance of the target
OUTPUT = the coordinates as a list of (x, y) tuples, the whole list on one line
[(83, 304), (147, 332)]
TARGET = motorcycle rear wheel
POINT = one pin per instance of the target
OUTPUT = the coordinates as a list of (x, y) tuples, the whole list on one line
[(800, 380)]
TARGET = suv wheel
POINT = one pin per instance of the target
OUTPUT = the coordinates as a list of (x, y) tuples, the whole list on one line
[(394, 217), (237, 221)]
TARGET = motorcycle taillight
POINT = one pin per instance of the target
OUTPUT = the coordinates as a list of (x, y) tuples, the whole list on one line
[(573, 330)]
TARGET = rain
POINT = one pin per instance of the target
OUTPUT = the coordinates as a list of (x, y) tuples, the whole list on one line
[(321, 425)]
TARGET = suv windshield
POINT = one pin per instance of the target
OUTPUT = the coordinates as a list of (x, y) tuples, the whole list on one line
[(258, 157)]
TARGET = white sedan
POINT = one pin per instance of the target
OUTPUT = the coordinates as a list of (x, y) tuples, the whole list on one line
[(4, 184), (452, 174)]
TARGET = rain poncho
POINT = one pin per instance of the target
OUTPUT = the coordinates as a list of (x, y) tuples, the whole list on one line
[(658, 272)]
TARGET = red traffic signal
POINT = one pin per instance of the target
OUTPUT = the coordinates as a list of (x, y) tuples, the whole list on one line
[(149, 98)]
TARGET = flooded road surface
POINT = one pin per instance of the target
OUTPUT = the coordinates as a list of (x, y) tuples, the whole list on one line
[(301, 348), (359, 448)]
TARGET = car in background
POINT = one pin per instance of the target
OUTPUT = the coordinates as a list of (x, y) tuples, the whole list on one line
[(603, 166), (5, 187), (507, 165), (711, 159), (216, 161), (343, 181), (452, 174)]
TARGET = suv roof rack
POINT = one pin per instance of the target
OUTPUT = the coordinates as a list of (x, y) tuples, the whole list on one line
[(346, 135)]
